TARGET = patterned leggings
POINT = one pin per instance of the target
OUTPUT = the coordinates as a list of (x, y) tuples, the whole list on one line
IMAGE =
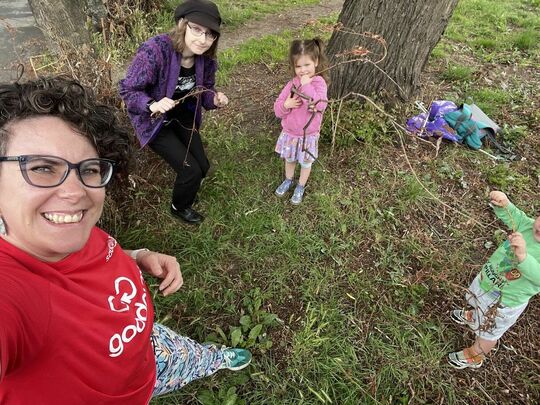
[(180, 360)]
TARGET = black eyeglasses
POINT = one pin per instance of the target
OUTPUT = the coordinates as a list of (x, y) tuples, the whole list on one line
[(198, 32), (51, 171)]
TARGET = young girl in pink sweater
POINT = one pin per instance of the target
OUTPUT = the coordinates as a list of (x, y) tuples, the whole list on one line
[(300, 106)]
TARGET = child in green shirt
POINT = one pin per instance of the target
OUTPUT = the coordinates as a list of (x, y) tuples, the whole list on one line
[(501, 291)]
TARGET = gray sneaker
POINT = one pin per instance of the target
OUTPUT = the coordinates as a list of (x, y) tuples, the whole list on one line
[(463, 317), (297, 195), (284, 187)]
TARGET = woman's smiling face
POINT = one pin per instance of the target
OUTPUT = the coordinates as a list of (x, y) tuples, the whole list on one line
[(48, 223), (197, 40)]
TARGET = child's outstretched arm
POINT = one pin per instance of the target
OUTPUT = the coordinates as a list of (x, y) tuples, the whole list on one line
[(513, 217), (527, 264)]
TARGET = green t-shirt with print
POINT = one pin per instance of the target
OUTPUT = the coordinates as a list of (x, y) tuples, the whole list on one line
[(516, 282)]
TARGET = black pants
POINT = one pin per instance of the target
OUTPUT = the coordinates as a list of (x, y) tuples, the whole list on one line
[(190, 165)]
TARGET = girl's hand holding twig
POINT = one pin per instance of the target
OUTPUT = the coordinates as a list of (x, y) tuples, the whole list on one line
[(293, 101), (220, 99), (517, 243), (162, 106), (499, 199)]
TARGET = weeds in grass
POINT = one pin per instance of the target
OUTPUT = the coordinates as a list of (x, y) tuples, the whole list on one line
[(513, 135), (486, 44), (490, 100), (505, 177), (526, 40), (458, 73), (356, 123), (254, 324), (495, 26)]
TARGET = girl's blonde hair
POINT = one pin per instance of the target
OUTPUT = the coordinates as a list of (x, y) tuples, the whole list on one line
[(178, 36), (313, 48)]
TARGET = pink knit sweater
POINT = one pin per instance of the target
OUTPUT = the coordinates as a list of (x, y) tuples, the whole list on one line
[(293, 120)]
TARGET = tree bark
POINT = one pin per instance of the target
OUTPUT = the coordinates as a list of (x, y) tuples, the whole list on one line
[(411, 30), (95, 9), (65, 21)]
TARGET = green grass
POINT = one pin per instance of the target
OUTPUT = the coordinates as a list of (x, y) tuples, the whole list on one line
[(490, 100), (505, 177), (526, 40), (344, 299), (490, 54), (340, 328), (135, 27), (458, 73), (237, 12), (495, 30), (270, 49)]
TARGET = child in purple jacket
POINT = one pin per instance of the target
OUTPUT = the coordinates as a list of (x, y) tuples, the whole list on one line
[(170, 79), (300, 106)]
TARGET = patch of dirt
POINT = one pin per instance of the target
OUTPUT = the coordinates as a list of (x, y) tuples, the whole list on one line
[(253, 88), (291, 18), (252, 92)]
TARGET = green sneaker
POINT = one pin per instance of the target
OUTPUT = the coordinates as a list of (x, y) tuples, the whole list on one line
[(235, 358)]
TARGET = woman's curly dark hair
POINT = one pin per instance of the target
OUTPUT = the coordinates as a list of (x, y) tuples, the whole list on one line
[(68, 100)]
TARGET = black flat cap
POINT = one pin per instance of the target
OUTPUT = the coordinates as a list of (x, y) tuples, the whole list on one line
[(203, 12)]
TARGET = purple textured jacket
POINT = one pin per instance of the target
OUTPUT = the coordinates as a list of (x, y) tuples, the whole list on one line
[(152, 75)]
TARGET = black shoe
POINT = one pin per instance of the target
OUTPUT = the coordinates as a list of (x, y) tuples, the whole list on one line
[(188, 215)]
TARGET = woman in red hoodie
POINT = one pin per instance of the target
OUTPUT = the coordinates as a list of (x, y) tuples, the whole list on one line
[(76, 316)]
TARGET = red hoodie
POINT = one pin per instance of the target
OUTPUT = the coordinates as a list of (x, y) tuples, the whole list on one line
[(75, 331)]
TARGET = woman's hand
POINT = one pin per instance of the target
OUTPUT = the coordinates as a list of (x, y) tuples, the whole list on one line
[(162, 106), (220, 99), (517, 243), (161, 266), (499, 199)]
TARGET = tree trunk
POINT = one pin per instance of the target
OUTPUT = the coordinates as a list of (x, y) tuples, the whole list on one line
[(65, 21), (411, 30), (97, 12)]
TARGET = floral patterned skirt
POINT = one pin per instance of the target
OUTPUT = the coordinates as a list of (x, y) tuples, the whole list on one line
[(291, 148)]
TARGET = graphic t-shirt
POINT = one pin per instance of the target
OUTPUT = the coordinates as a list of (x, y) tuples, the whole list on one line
[(185, 110), (185, 82), (75, 331), (515, 282)]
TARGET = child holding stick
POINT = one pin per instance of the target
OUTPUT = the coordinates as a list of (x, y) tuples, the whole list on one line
[(502, 290), (300, 106)]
